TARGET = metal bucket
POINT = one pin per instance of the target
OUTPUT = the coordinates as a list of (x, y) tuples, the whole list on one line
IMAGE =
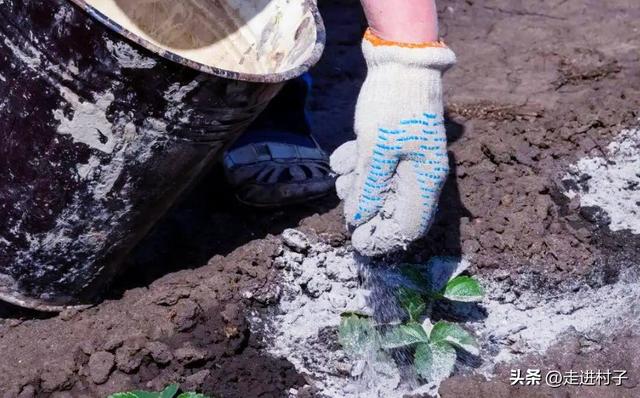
[(104, 121)]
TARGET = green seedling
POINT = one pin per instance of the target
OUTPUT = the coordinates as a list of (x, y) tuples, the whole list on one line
[(356, 333), (463, 289), (460, 288), (169, 392), (434, 346), (413, 302)]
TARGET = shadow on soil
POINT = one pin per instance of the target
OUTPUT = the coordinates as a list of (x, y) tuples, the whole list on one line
[(208, 221)]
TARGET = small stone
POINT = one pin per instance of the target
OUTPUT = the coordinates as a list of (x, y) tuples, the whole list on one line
[(129, 357), (506, 200), (189, 355), (185, 314), (305, 277), (307, 392), (296, 240), (317, 286), (68, 314), (195, 381), (509, 297), (160, 352), (279, 263), (86, 347), (588, 346), (524, 305), (583, 234), (555, 228), (268, 295), (339, 303), (358, 368), (519, 347), (231, 313), (567, 308), (341, 271), (502, 275), (113, 343), (101, 364), (344, 368), (171, 297)]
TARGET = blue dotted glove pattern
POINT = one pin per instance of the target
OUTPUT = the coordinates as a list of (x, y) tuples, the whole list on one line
[(422, 142)]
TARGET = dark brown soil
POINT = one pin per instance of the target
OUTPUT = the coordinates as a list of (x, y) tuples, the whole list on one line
[(538, 85)]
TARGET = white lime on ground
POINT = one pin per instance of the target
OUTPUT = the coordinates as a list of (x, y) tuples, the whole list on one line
[(319, 286), (321, 282), (532, 324), (611, 182)]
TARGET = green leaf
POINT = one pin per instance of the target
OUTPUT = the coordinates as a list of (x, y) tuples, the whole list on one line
[(136, 394), (170, 391), (404, 335), (423, 360), (123, 395), (356, 333), (454, 335), (412, 302), (434, 362), (464, 289)]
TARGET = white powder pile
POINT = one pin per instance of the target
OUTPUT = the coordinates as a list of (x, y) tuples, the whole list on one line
[(320, 285), (322, 282), (534, 324), (612, 183)]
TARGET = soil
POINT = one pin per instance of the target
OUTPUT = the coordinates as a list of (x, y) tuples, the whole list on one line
[(537, 88)]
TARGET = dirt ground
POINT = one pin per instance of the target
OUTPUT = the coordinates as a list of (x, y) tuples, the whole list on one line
[(538, 86)]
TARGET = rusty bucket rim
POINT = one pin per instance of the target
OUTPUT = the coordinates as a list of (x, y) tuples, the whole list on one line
[(278, 77)]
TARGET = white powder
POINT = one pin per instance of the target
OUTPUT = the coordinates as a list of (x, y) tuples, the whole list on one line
[(32, 61), (88, 124), (175, 95), (129, 57), (612, 182), (515, 329), (319, 287), (322, 284)]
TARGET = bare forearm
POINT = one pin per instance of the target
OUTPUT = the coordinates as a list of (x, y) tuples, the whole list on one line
[(405, 21)]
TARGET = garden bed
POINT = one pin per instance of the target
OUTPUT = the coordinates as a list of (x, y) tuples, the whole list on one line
[(538, 94)]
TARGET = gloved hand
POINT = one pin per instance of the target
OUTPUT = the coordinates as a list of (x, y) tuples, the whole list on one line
[(392, 174)]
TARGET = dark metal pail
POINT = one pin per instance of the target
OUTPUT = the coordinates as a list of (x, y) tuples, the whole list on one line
[(100, 131)]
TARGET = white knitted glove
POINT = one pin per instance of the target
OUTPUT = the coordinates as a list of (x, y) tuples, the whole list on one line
[(392, 175)]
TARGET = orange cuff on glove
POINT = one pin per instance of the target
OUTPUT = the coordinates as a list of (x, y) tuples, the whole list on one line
[(377, 42)]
